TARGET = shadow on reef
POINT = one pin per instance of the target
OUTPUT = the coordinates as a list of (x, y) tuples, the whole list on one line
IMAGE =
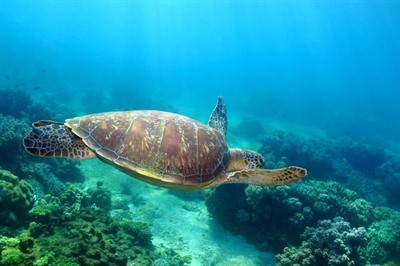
[(76, 228)]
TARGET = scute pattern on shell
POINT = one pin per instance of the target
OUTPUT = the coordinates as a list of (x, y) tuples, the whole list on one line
[(176, 148)]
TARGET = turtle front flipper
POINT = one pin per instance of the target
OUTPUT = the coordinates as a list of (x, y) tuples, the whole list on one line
[(266, 177), (48, 139)]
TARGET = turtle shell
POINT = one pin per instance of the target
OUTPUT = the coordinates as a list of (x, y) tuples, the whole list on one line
[(161, 148)]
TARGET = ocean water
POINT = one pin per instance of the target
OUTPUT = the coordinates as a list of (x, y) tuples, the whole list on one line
[(328, 65), (316, 69)]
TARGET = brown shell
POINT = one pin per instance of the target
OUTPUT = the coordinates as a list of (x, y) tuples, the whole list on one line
[(161, 148)]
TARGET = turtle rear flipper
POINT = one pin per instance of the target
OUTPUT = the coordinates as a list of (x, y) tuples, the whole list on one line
[(55, 140), (266, 177), (218, 118)]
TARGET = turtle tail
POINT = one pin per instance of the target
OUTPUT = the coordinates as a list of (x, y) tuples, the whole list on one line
[(54, 139)]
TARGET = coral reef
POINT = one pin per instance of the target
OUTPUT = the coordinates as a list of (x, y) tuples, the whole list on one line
[(344, 160), (16, 199), (330, 243), (76, 228), (274, 217)]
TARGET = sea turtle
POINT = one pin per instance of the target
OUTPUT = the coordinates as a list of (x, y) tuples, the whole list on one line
[(164, 149)]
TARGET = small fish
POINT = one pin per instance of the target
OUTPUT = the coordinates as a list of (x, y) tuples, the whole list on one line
[(36, 88)]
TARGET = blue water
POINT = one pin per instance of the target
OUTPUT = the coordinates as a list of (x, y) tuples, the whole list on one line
[(324, 64)]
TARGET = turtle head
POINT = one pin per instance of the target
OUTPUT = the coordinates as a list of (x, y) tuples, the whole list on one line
[(241, 159)]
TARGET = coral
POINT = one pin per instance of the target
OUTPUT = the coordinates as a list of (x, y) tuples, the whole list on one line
[(385, 235), (66, 170), (343, 159), (17, 111), (225, 203), (287, 210), (273, 218), (51, 184), (139, 229), (330, 243), (70, 229), (45, 209), (11, 132), (48, 177), (99, 197), (16, 199), (11, 254), (47, 259), (390, 173)]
